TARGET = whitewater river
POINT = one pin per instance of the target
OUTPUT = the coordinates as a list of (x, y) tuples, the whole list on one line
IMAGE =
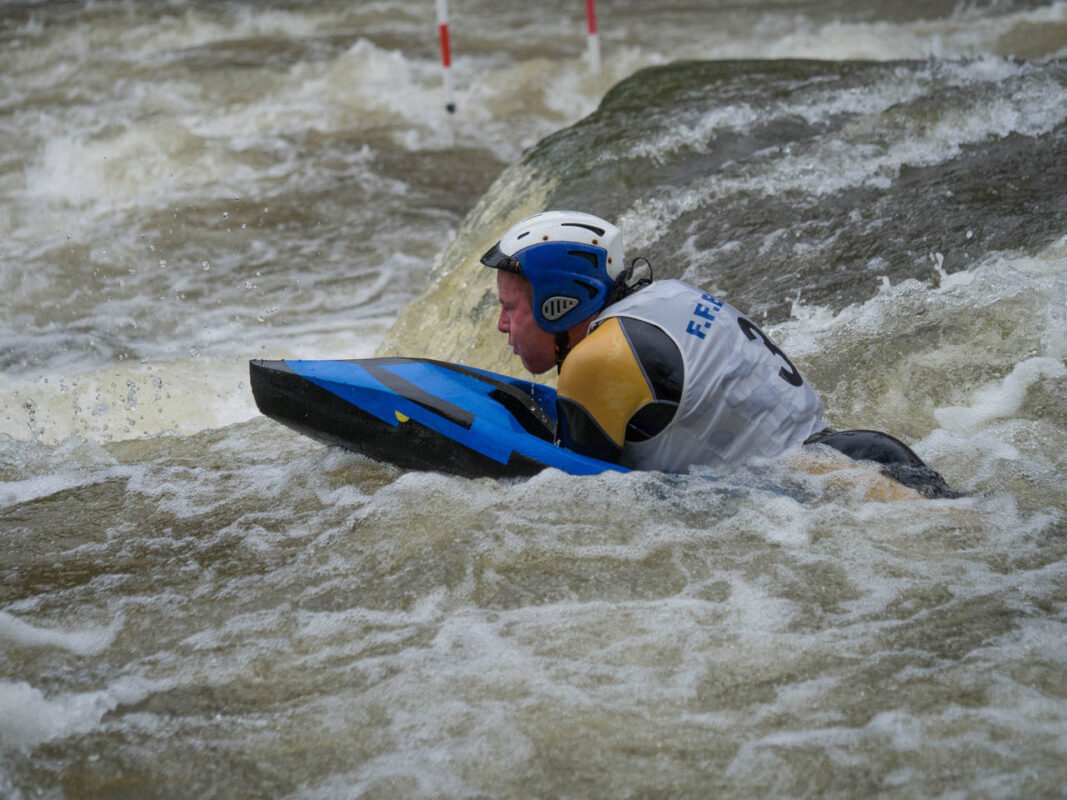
[(197, 602)]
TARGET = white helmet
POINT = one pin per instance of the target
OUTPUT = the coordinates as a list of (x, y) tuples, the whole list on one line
[(571, 259)]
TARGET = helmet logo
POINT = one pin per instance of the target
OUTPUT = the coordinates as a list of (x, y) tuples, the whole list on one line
[(555, 307)]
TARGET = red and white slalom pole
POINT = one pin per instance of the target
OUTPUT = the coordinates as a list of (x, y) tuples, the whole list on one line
[(592, 36), (446, 55)]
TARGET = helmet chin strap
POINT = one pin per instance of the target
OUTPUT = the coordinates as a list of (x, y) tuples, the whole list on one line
[(563, 347), (636, 276)]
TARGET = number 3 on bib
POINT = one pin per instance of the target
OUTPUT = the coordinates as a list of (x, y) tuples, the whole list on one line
[(752, 332)]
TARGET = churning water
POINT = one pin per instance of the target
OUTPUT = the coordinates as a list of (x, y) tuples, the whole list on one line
[(196, 602)]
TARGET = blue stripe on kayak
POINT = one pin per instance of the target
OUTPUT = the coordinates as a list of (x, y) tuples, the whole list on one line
[(452, 402)]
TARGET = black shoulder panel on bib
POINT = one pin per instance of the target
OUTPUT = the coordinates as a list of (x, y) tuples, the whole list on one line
[(661, 361), (658, 356), (578, 430)]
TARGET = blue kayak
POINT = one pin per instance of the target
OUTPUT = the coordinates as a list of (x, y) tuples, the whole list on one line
[(421, 414)]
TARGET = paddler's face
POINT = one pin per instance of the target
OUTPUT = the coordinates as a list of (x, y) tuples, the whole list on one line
[(535, 346)]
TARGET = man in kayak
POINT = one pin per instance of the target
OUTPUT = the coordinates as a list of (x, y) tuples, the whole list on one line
[(659, 375)]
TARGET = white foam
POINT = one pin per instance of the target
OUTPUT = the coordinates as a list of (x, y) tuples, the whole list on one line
[(172, 35), (169, 395), (147, 162), (14, 492), (1034, 107), (955, 36), (89, 641), (1002, 398), (29, 717), (131, 400)]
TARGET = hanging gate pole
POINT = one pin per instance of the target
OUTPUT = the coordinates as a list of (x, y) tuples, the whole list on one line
[(593, 38), (446, 55)]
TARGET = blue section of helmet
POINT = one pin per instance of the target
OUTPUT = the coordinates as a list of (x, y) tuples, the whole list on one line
[(566, 269)]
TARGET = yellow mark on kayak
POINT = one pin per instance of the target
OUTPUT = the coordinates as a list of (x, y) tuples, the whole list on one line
[(401, 417)]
